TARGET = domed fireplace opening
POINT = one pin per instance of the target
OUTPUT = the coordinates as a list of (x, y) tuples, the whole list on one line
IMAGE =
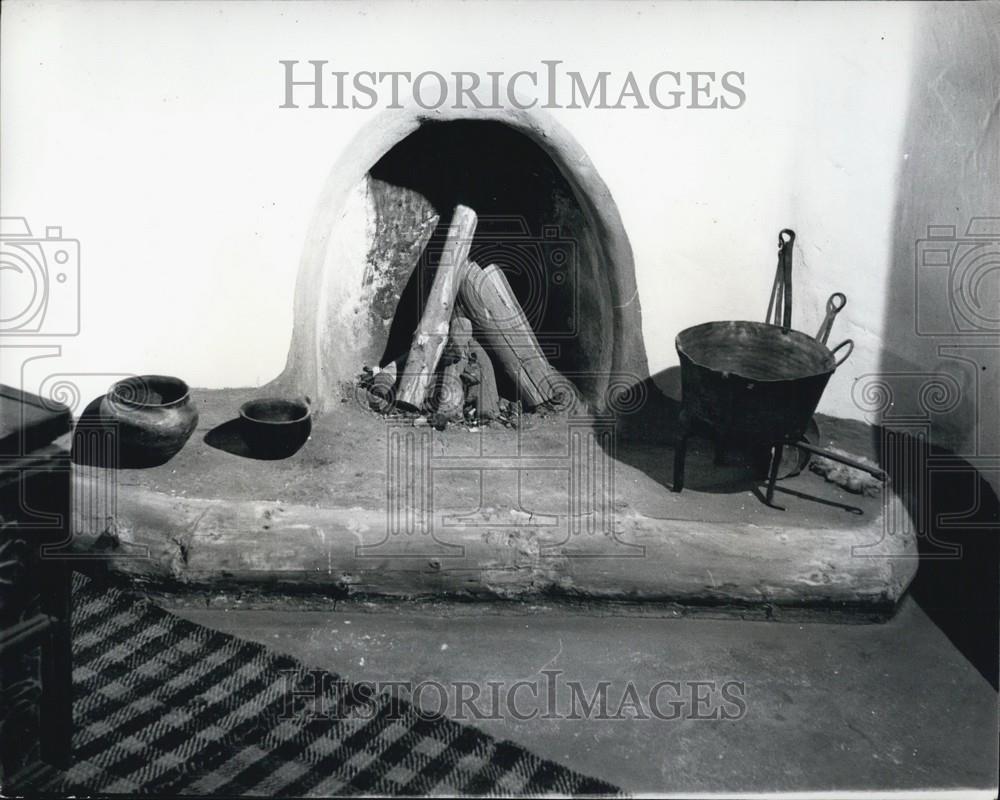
[(544, 218), (529, 224)]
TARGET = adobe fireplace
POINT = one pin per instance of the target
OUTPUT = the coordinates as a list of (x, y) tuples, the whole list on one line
[(545, 219), (574, 504)]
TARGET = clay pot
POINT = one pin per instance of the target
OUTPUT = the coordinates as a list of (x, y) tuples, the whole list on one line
[(275, 428), (153, 416)]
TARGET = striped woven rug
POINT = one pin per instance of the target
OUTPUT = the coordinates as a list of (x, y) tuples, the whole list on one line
[(165, 706)]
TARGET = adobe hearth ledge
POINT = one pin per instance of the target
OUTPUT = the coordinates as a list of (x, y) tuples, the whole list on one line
[(203, 543), (697, 548)]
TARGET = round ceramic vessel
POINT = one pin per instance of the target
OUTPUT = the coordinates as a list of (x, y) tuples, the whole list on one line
[(153, 416)]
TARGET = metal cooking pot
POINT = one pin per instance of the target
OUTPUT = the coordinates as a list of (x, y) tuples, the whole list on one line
[(754, 379), (758, 381)]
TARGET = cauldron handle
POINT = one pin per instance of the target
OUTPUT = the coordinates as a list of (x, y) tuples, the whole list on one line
[(834, 306), (850, 349), (780, 302)]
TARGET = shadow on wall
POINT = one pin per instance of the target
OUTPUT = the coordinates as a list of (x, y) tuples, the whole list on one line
[(936, 394)]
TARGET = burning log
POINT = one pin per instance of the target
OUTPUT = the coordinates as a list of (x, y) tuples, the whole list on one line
[(500, 323), (481, 383), (451, 389), (432, 331)]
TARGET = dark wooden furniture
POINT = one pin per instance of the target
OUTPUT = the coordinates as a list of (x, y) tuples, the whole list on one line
[(35, 651)]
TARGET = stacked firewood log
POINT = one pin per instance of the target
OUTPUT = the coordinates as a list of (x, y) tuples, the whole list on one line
[(472, 324)]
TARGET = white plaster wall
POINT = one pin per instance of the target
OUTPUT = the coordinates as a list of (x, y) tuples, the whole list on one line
[(152, 133)]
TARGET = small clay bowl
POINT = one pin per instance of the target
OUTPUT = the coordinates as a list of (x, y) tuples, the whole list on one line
[(275, 428)]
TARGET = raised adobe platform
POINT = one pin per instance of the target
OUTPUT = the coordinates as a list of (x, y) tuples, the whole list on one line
[(564, 506)]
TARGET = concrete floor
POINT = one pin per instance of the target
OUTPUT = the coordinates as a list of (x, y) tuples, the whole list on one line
[(890, 706)]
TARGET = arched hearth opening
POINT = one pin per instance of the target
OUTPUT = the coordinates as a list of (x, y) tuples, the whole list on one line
[(545, 218), (530, 225)]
